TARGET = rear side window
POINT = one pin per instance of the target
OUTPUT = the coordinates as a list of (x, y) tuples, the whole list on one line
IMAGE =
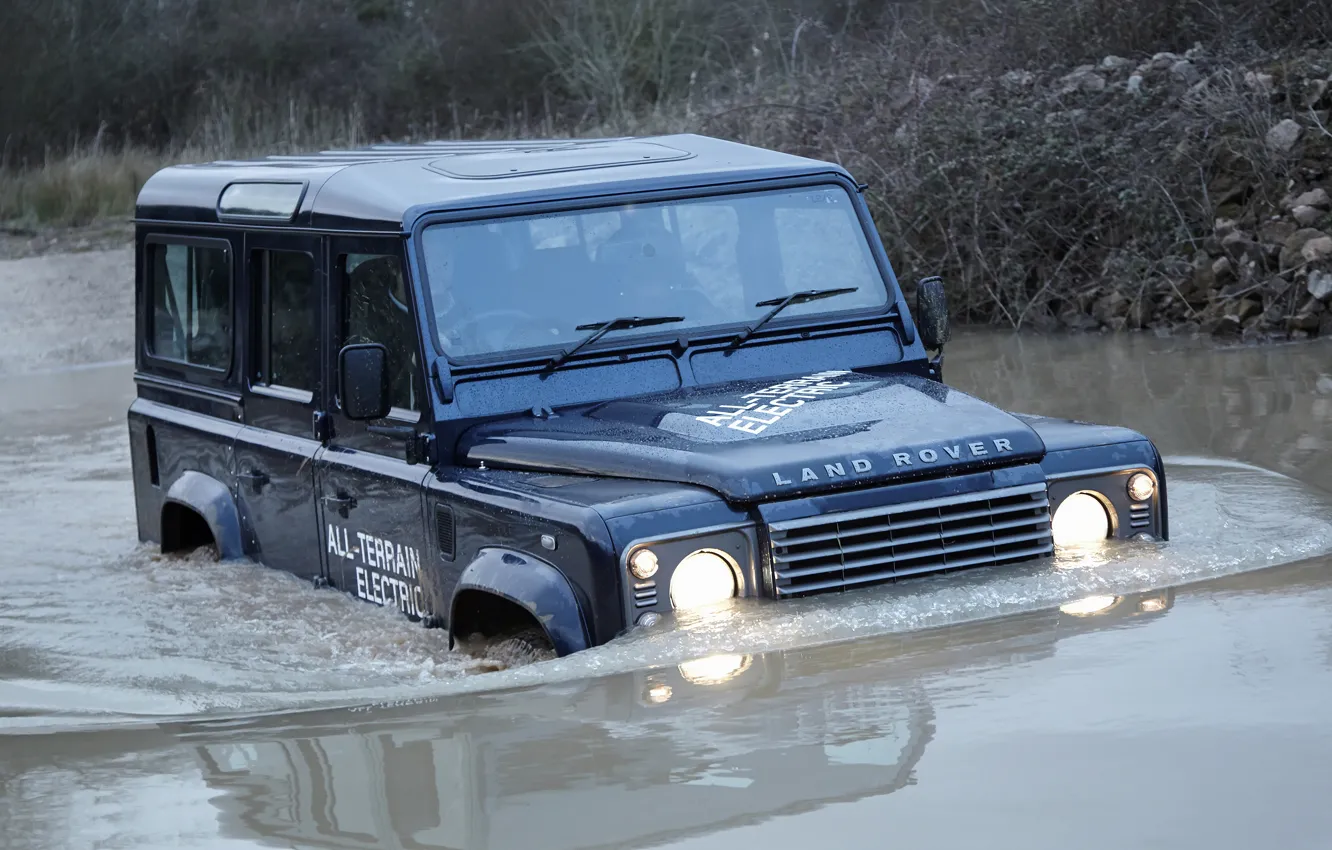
[(190, 289), (288, 332)]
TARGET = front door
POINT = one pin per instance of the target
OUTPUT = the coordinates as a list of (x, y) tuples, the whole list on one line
[(371, 499), (283, 396)]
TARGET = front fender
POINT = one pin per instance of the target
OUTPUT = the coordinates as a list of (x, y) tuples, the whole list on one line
[(533, 584), (211, 499)]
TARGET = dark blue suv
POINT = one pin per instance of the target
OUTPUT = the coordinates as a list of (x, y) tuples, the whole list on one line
[(555, 389)]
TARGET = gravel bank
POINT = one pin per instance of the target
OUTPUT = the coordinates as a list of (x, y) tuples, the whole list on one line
[(65, 309)]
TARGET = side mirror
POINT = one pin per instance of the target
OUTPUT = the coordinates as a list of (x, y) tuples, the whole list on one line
[(932, 312), (363, 385)]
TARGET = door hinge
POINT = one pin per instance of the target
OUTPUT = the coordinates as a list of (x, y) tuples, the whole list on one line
[(321, 426)]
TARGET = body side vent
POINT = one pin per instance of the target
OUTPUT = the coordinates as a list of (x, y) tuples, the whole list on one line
[(444, 531)]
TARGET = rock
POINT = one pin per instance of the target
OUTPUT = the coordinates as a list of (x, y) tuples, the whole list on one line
[(1162, 61), (1223, 227), (1263, 83), (1083, 78), (1320, 285), (1223, 272), (1186, 72), (1014, 80), (1111, 306), (1307, 216), (1247, 309), (1292, 255), (1317, 250), (1315, 91), (1284, 136), (1240, 248), (1115, 63), (1076, 320), (1325, 324), (1134, 84), (1303, 322), (1116, 323), (1276, 232), (1221, 326), (1313, 305), (1317, 198)]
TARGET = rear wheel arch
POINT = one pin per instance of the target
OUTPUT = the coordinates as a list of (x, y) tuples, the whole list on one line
[(196, 502)]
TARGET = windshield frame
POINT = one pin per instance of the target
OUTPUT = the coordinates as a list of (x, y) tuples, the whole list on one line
[(893, 305)]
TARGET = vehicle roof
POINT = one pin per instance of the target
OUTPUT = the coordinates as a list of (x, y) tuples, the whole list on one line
[(388, 187)]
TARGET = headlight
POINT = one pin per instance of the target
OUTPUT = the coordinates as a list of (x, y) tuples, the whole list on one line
[(705, 577), (1080, 519), (1141, 487), (715, 669)]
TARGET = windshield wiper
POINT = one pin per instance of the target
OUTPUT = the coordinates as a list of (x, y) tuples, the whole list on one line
[(623, 323), (780, 304)]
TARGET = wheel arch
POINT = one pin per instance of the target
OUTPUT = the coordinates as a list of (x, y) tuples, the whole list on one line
[(531, 584), (208, 499)]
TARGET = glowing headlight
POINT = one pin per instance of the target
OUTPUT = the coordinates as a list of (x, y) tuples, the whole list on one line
[(643, 564), (703, 578), (1080, 520), (1089, 606), (715, 669), (1141, 487)]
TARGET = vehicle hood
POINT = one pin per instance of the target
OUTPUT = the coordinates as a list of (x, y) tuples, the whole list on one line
[(751, 441)]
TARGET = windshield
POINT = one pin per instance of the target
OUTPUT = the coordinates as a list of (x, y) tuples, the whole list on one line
[(530, 281)]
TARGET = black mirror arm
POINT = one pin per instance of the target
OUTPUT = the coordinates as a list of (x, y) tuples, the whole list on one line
[(443, 378)]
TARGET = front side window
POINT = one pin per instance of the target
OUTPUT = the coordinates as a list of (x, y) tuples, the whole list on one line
[(375, 309), (288, 330), (190, 288), (529, 281)]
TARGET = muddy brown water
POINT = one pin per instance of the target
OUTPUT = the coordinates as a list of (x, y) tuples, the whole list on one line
[(1170, 696)]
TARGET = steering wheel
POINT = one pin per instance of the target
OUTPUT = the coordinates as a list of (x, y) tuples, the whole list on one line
[(486, 339)]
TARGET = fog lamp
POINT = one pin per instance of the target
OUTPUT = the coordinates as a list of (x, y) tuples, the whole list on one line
[(1080, 520), (1089, 606), (715, 669), (657, 694), (643, 564), (705, 577), (1141, 487), (1152, 605)]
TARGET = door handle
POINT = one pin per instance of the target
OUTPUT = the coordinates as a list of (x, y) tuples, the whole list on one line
[(342, 503), (255, 478)]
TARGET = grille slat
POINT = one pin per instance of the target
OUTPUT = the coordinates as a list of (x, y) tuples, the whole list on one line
[(1140, 515), (873, 545)]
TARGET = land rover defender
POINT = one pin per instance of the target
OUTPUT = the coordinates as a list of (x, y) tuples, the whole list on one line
[(559, 389)]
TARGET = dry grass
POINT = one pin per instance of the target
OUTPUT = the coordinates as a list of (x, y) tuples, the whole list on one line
[(77, 188)]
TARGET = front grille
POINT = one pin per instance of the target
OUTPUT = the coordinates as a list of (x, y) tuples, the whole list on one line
[(874, 545)]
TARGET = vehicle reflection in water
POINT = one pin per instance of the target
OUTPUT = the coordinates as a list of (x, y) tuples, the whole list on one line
[(628, 760)]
